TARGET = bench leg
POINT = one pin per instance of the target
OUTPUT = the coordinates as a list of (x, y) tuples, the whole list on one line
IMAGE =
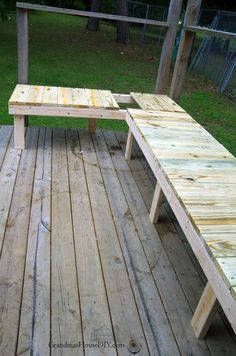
[(204, 313), (129, 145), (19, 132), (92, 126), (156, 204)]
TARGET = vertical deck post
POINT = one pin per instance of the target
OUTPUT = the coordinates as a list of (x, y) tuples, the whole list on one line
[(168, 46), (204, 312), (156, 204), (185, 47), (22, 47)]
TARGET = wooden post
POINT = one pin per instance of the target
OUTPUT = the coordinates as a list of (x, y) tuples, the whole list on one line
[(92, 126), (168, 46), (156, 204), (19, 132), (185, 46), (22, 47), (129, 145), (204, 313)]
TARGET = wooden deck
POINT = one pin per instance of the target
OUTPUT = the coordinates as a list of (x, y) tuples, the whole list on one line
[(80, 261)]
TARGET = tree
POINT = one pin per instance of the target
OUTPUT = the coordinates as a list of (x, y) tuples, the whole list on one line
[(93, 23), (122, 32)]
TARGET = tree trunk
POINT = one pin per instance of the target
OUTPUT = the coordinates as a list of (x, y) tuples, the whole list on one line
[(93, 23), (122, 32)]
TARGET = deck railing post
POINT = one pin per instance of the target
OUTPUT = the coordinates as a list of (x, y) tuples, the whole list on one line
[(185, 47), (22, 47), (168, 46)]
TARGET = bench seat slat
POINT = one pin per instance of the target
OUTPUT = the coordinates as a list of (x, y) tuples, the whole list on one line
[(19, 94), (50, 96), (156, 102), (108, 100), (65, 97), (80, 99), (35, 95)]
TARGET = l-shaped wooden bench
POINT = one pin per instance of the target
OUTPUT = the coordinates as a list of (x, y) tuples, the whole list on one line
[(195, 173)]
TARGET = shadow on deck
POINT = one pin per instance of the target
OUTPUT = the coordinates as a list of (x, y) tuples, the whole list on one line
[(81, 262)]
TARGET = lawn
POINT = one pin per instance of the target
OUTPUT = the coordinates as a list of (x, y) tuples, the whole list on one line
[(63, 53)]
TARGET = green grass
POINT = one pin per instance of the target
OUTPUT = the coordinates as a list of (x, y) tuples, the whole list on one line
[(63, 53)]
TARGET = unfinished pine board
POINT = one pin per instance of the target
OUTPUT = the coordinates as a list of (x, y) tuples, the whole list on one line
[(125, 318), (34, 324), (14, 248), (95, 313), (20, 94), (65, 97), (108, 100), (176, 192), (80, 99), (177, 308), (33, 95), (65, 306), (219, 341), (156, 102), (50, 97), (152, 312)]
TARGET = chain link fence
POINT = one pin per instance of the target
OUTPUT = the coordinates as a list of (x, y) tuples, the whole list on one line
[(151, 12), (215, 58)]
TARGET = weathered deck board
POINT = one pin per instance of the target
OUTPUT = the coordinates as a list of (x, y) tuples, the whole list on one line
[(65, 305), (88, 274), (92, 291), (14, 248), (35, 310), (125, 318)]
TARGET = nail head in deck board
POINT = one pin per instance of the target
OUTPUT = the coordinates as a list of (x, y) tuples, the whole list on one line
[(14, 249), (34, 324)]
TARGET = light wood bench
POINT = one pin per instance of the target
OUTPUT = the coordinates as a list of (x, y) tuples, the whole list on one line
[(57, 101), (197, 175)]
